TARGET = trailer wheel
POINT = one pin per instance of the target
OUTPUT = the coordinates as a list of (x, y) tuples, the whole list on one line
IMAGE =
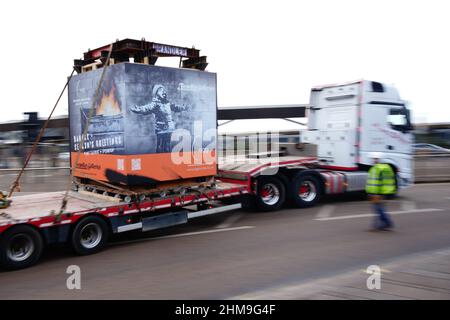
[(20, 247), (305, 190), (271, 193), (89, 235)]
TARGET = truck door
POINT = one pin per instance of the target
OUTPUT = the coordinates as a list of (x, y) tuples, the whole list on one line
[(387, 128), (399, 127)]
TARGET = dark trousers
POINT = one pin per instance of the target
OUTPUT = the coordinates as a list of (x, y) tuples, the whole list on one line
[(382, 219), (163, 142)]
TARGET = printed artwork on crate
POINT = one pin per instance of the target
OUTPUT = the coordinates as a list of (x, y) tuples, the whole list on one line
[(106, 130), (143, 116)]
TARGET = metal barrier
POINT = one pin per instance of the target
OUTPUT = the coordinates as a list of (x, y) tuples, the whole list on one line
[(432, 167), (427, 167)]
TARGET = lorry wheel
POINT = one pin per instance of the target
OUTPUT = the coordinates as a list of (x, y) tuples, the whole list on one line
[(271, 193), (89, 235), (305, 190), (20, 247)]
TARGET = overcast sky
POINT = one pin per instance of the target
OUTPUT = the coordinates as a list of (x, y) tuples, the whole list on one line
[(264, 52)]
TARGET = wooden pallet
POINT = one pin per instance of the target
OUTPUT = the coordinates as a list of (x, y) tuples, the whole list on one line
[(114, 192), (94, 66)]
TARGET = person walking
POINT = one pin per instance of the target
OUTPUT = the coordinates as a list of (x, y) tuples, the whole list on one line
[(380, 184)]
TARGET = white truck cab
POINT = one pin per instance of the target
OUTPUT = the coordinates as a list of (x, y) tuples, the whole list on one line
[(349, 121)]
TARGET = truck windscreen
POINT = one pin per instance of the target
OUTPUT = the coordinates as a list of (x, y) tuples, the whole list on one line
[(399, 119)]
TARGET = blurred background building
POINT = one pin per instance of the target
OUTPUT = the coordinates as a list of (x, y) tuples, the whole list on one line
[(431, 148), (17, 137)]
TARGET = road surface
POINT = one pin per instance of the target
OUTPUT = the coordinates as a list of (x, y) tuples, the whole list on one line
[(236, 254)]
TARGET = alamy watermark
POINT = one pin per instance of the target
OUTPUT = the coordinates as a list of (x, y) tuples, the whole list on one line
[(203, 147), (374, 280), (73, 282)]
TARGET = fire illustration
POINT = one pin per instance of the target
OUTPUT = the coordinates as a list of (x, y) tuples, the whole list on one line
[(108, 105)]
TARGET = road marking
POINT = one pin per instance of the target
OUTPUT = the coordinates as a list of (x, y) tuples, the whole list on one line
[(187, 234), (229, 221), (424, 184), (365, 215), (33, 169), (381, 270), (204, 232), (41, 176), (325, 211), (408, 205), (21, 194)]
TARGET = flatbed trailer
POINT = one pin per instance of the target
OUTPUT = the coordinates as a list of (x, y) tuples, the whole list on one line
[(32, 222)]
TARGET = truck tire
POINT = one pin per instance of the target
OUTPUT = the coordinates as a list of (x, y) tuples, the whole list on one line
[(271, 193), (305, 190), (89, 235), (20, 247)]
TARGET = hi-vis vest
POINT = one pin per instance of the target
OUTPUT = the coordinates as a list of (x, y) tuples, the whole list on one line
[(381, 180)]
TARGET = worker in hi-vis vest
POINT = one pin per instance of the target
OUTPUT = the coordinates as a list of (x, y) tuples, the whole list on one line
[(380, 183)]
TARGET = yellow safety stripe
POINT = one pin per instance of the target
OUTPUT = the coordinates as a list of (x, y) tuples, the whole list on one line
[(381, 180)]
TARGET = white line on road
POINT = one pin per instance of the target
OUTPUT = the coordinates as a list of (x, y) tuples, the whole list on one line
[(20, 194), (187, 234), (430, 184), (33, 169), (371, 214), (408, 205), (325, 211), (204, 232), (229, 221), (41, 176)]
